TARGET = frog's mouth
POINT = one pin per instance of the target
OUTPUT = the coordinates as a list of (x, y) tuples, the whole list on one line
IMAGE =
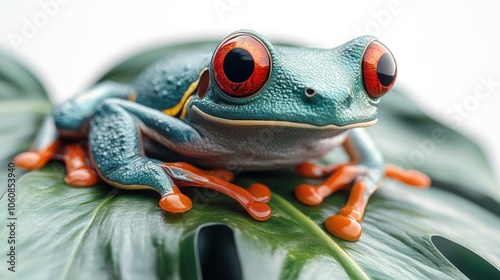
[(274, 123)]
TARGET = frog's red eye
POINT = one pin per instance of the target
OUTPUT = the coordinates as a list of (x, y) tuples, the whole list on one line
[(378, 69), (241, 65)]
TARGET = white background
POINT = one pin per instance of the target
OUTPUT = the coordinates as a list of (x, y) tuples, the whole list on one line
[(444, 50)]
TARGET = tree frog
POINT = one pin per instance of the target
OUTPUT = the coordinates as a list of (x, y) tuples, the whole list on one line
[(248, 105)]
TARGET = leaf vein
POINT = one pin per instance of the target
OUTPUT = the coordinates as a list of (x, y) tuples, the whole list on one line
[(346, 261)]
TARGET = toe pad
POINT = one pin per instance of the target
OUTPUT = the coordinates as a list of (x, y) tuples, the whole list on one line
[(343, 227), (29, 160), (175, 203), (260, 192), (82, 177), (259, 211), (308, 195)]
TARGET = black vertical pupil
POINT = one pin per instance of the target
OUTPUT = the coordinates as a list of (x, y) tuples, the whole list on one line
[(386, 69), (238, 65)]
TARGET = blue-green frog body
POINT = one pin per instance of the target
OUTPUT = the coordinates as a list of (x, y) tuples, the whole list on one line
[(247, 105)]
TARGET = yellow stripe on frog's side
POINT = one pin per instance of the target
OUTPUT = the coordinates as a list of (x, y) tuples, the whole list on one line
[(177, 108), (173, 111), (184, 108)]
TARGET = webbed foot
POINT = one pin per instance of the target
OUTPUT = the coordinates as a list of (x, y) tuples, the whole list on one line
[(346, 224), (253, 199), (79, 171), (32, 159)]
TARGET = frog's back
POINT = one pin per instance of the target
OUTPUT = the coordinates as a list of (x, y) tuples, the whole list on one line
[(163, 85)]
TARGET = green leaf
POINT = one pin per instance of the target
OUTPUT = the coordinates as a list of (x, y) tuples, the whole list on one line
[(103, 232), (411, 139), (23, 104)]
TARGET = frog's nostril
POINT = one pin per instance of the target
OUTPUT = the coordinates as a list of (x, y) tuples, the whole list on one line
[(310, 92)]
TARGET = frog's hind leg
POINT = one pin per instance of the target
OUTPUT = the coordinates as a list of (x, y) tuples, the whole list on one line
[(363, 173), (346, 223)]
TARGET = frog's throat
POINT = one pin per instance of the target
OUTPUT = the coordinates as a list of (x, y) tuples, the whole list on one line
[(254, 123)]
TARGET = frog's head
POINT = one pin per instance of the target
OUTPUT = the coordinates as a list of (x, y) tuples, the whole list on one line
[(252, 82)]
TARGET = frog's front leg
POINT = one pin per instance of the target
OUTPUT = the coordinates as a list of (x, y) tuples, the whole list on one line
[(116, 149), (363, 173)]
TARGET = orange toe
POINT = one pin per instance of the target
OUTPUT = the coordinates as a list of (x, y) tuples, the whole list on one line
[(343, 227), (260, 192), (417, 179), (411, 177), (175, 203), (222, 174), (356, 214), (308, 194), (29, 160), (309, 169), (259, 211), (82, 177)]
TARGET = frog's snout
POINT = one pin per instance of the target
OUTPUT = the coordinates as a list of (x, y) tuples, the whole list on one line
[(344, 93)]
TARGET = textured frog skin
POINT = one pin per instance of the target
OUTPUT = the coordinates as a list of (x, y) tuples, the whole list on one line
[(163, 84), (333, 73), (309, 102), (340, 100)]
